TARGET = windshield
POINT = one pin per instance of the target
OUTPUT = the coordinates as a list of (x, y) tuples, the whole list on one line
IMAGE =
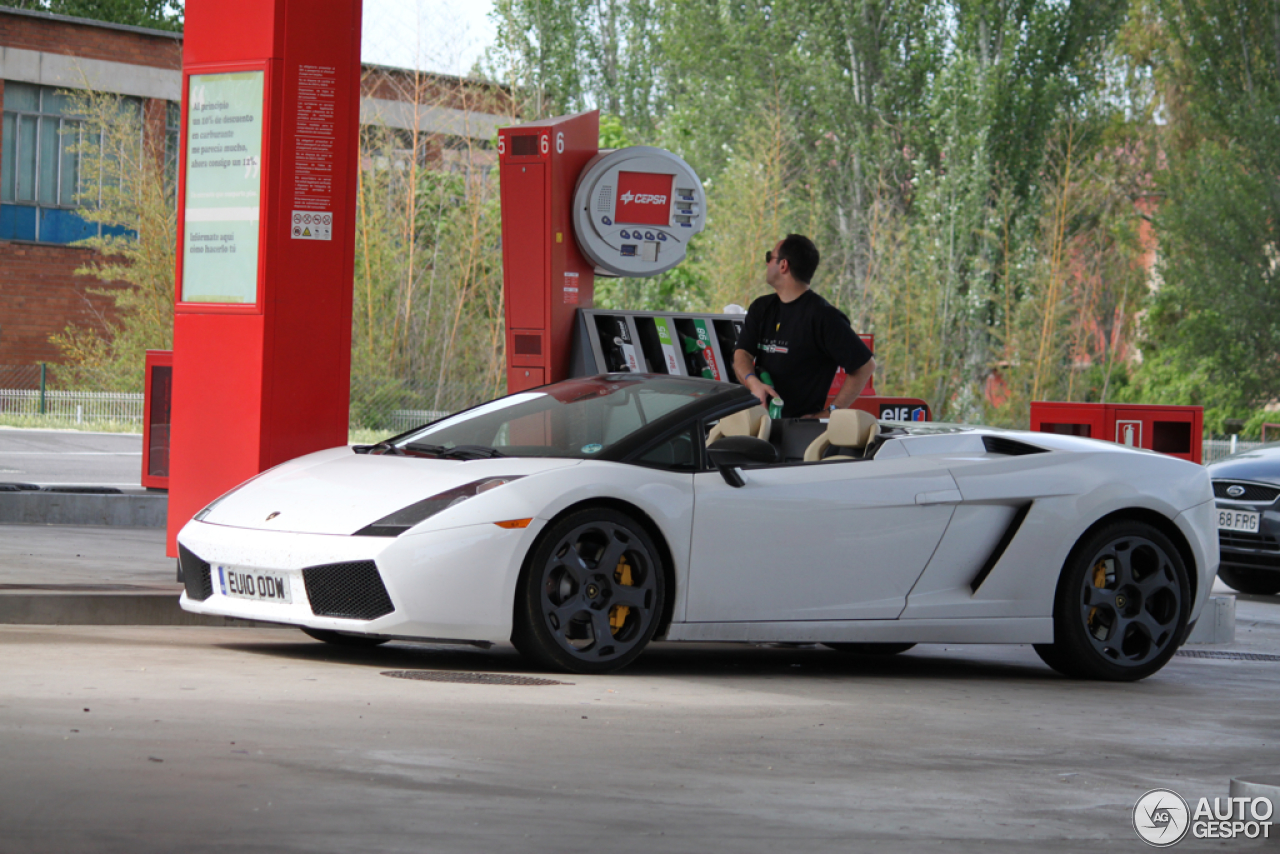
[(577, 418)]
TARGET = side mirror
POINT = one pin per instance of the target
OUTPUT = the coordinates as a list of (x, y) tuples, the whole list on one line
[(733, 451)]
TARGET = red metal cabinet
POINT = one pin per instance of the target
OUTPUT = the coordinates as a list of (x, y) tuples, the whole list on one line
[(546, 278), (156, 409), (1173, 430)]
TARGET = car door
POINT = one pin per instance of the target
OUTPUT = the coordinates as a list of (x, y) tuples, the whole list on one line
[(840, 540)]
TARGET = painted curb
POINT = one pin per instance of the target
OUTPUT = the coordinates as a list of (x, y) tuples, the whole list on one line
[(62, 508), (72, 608)]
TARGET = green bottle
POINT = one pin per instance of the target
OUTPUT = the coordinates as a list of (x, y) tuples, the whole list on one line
[(775, 403)]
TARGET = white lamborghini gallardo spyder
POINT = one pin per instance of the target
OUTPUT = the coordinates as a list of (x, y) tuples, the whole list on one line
[(581, 520)]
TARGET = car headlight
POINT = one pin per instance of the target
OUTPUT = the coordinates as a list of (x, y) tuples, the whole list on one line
[(402, 520)]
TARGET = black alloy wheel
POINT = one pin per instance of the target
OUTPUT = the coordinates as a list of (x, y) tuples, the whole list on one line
[(1122, 605), (591, 594), (870, 648), (352, 641), (1257, 582)]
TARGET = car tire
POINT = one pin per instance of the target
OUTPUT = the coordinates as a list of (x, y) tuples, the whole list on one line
[(1122, 605), (870, 648), (1250, 581), (344, 639), (591, 594)]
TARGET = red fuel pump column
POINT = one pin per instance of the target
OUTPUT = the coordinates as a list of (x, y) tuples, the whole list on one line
[(545, 277), (266, 216)]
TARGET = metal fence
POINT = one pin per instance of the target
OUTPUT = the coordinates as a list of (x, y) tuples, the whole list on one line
[(1218, 447), (377, 405), (398, 405), (80, 407)]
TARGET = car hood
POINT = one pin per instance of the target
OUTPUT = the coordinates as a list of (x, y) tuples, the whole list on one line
[(1260, 464), (340, 492)]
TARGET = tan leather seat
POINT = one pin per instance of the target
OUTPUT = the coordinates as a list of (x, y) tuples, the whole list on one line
[(749, 422), (847, 428)]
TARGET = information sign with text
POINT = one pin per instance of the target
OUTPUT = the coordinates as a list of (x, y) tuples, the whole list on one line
[(223, 188)]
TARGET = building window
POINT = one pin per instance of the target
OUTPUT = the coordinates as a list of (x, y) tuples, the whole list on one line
[(40, 167)]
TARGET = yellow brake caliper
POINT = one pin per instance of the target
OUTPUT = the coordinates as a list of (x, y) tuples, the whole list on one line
[(618, 613), (1099, 581)]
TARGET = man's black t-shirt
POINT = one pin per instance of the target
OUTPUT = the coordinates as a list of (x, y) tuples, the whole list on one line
[(800, 344)]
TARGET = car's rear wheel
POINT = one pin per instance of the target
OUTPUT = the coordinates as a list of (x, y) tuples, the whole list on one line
[(591, 596), (1122, 605), (344, 639), (1259, 583), (870, 648)]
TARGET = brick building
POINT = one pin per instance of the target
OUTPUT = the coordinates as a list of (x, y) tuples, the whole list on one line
[(42, 54)]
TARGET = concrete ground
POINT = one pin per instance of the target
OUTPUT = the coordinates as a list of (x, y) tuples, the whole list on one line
[(67, 557), (158, 738), (145, 739), (58, 457)]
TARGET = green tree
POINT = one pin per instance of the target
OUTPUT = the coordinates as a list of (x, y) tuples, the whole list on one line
[(427, 318), (1214, 326), (127, 188)]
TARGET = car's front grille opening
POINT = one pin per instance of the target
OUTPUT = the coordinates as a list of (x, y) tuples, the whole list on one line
[(353, 591), (1245, 560), (195, 574), (1245, 491), (1244, 540)]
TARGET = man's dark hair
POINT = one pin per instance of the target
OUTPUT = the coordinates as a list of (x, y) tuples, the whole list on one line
[(801, 255)]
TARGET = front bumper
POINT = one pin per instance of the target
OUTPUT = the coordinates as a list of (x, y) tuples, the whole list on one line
[(1260, 551), (456, 584)]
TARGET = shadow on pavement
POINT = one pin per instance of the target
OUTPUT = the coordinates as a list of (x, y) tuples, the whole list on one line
[(702, 661)]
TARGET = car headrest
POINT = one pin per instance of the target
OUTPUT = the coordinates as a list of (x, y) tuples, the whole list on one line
[(852, 428), (747, 422)]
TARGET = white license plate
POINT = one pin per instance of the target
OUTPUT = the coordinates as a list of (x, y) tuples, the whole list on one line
[(1238, 520), (241, 583)]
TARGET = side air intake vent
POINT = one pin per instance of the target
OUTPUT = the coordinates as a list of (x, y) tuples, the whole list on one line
[(195, 574), (1009, 447), (353, 591)]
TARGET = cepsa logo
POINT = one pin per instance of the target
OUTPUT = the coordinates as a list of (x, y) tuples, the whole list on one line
[(643, 199)]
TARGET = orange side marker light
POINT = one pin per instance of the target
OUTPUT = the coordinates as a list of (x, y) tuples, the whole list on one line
[(514, 523)]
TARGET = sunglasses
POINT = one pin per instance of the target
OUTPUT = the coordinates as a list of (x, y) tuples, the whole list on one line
[(768, 256)]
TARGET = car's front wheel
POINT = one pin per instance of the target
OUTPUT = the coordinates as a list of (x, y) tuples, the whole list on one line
[(1259, 583), (591, 595), (1122, 605)]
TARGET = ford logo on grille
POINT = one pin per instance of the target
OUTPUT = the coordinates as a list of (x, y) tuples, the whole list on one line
[(1235, 491)]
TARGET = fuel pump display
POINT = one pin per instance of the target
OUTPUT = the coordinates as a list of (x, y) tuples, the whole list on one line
[(616, 344), (700, 355), (635, 209)]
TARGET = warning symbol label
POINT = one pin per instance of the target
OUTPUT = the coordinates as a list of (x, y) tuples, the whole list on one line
[(316, 225)]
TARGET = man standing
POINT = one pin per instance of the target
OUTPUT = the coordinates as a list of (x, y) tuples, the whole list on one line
[(799, 339)]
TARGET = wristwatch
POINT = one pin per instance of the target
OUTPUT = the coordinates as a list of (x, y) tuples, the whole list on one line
[(832, 408)]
